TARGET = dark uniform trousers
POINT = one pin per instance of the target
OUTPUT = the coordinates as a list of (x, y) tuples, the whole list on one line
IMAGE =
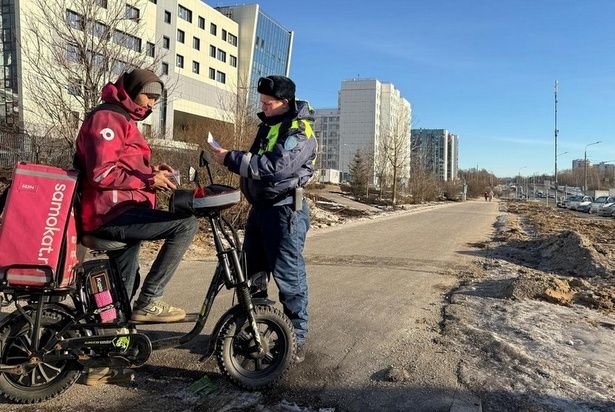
[(274, 241)]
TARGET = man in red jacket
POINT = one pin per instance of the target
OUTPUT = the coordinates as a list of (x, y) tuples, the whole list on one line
[(118, 190)]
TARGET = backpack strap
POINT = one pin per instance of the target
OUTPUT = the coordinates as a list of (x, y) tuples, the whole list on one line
[(111, 107)]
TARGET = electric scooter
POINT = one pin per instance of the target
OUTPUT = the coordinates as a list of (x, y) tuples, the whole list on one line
[(55, 333)]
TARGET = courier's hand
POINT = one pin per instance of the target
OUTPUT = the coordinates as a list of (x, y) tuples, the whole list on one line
[(164, 166), (163, 180), (219, 155)]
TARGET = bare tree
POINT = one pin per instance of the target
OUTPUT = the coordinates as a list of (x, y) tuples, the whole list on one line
[(394, 148), (478, 181), (71, 49)]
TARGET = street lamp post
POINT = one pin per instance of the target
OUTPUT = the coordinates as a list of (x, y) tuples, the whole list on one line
[(585, 165), (555, 88)]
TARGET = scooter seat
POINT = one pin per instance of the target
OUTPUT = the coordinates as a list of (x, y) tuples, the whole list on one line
[(96, 243)]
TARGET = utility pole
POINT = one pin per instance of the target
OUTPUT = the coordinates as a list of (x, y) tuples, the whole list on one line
[(585, 165), (555, 88)]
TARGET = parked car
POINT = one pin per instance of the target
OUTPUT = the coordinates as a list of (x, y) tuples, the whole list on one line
[(598, 203), (564, 201), (607, 210), (580, 203)]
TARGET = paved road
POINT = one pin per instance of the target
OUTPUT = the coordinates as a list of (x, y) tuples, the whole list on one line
[(377, 289)]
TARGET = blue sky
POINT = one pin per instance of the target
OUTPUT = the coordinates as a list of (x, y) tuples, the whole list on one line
[(481, 69)]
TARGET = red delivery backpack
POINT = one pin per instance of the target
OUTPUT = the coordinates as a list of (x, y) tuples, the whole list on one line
[(38, 233)]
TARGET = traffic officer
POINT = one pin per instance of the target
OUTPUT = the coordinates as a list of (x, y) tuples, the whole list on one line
[(273, 173)]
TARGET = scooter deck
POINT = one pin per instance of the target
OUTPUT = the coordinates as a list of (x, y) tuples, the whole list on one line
[(190, 318)]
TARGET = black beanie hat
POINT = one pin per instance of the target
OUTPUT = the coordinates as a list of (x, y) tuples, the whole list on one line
[(135, 82), (280, 87)]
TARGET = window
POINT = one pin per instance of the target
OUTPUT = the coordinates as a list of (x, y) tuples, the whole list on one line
[(213, 29), (184, 13), (212, 73), (167, 16), (165, 68), (150, 50), (221, 77), (132, 13), (232, 39), (118, 67), (74, 87), (74, 20), (179, 61), (212, 51), (180, 36), (233, 60), (201, 23), (100, 30), (166, 42), (195, 67), (196, 43), (224, 32), (221, 55), (127, 40)]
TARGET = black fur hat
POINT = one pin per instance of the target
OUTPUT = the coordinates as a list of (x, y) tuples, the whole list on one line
[(280, 87)]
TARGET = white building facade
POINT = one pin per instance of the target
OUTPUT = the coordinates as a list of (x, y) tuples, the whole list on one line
[(372, 115)]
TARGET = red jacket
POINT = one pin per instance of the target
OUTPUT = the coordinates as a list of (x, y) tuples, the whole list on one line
[(114, 159)]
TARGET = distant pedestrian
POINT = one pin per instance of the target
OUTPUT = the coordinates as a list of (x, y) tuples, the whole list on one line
[(490, 195), (486, 194)]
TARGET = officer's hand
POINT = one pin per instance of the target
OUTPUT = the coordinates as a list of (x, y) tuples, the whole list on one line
[(163, 180), (219, 155)]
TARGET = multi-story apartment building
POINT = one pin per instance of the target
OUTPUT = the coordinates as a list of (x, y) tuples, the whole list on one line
[(372, 113), (580, 164), (194, 47), (436, 150), (453, 156), (266, 47), (199, 58), (190, 44), (327, 131)]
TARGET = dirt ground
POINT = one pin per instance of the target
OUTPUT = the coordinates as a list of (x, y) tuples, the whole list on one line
[(535, 313)]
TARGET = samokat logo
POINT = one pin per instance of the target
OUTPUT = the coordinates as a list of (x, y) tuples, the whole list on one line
[(51, 224), (107, 134)]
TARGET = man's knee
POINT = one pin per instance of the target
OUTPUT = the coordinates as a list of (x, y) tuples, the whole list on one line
[(189, 225)]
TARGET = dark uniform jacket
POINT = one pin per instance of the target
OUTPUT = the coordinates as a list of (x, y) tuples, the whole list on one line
[(280, 159)]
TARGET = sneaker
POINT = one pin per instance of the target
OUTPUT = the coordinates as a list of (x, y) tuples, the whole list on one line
[(300, 353), (157, 311), (105, 375)]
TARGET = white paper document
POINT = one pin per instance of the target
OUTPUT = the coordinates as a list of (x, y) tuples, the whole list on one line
[(212, 142)]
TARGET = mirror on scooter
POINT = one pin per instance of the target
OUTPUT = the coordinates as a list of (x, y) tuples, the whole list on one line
[(203, 159), (193, 176)]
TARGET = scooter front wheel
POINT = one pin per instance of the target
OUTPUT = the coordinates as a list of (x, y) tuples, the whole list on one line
[(238, 354)]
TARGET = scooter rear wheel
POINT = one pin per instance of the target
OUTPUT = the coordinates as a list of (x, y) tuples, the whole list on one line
[(237, 352), (42, 380)]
